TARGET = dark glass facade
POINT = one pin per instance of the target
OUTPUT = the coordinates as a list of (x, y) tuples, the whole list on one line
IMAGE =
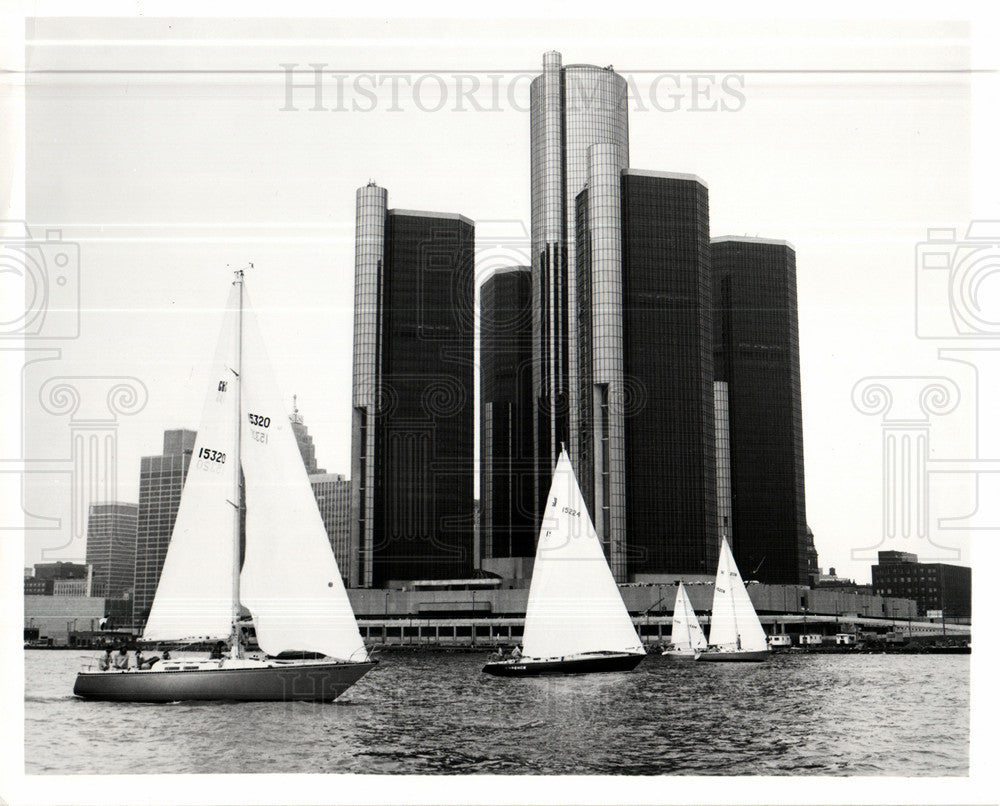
[(161, 480), (412, 437), (666, 395), (111, 536), (506, 453), (757, 354)]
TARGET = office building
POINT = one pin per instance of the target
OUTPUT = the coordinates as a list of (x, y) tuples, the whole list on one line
[(303, 440), (161, 480), (946, 589), (506, 469), (111, 538), (757, 356), (647, 452), (333, 497), (412, 419), (572, 108), (723, 477)]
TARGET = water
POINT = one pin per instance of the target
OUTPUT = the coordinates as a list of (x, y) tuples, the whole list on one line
[(436, 713)]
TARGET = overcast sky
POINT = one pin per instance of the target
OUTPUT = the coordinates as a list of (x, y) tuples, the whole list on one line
[(169, 149)]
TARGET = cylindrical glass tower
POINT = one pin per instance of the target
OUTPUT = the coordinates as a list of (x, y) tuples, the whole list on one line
[(572, 108), (369, 252)]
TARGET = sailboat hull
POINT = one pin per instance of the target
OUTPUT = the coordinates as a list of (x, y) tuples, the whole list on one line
[(733, 657), (310, 682), (582, 664), (680, 654)]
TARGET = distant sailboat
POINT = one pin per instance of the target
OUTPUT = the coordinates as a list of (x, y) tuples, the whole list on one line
[(289, 579), (576, 620), (686, 636), (735, 634)]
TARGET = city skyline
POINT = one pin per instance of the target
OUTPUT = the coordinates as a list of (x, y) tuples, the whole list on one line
[(829, 370)]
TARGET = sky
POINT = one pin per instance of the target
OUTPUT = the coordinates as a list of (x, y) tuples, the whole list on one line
[(168, 151)]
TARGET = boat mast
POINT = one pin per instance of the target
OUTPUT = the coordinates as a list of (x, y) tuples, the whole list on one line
[(234, 637), (731, 563)]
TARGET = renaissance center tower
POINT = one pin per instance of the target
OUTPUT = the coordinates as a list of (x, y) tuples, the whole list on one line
[(573, 107)]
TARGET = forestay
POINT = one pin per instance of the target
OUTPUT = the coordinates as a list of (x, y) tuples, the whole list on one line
[(194, 597), (574, 604), (290, 580), (733, 615)]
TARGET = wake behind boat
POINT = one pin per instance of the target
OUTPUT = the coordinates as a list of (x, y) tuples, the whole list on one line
[(576, 621), (289, 578), (735, 633)]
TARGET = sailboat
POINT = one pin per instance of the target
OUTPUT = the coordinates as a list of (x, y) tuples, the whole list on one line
[(735, 634), (686, 636), (289, 580), (576, 620)]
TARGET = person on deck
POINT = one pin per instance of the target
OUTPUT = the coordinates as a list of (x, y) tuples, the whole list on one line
[(138, 659), (105, 663), (516, 653), (216, 651), (121, 659)]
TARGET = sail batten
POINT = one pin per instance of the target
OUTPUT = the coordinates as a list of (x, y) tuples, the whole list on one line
[(574, 605)]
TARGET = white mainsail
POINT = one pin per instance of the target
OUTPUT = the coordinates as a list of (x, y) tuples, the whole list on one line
[(194, 597), (574, 605), (685, 631), (734, 621), (290, 580)]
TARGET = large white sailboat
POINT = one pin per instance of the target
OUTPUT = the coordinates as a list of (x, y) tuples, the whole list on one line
[(686, 635), (576, 620), (289, 579), (735, 633)]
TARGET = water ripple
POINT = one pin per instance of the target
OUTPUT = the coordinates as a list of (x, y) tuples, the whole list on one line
[(436, 713)]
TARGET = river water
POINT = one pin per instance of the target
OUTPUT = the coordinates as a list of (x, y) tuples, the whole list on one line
[(435, 712)]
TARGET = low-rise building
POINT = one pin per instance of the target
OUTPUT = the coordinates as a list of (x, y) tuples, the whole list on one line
[(933, 586)]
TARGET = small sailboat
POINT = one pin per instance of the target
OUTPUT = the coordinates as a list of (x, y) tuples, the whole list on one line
[(735, 633), (289, 578), (686, 636), (576, 620)]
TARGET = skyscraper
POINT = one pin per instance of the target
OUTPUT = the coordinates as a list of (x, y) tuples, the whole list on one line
[(303, 440), (333, 497), (647, 436), (506, 448), (161, 480), (723, 458), (412, 420), (572, 108), (757, 355), (111, 537)]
